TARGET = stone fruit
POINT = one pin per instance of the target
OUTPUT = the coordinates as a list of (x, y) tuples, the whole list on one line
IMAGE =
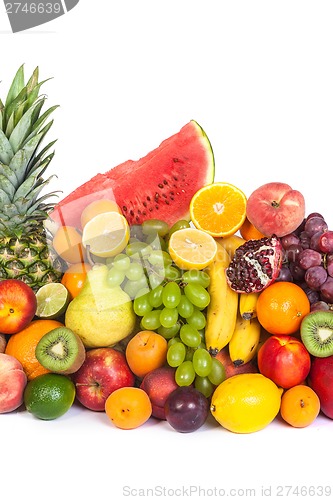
[(275, 208), (158, 384), (101, 315), (13, 381), (255, 265), (104, 370), (18, 305), (128, 407), (186, 409), (320, 379), (160, 184), (285, 360), (230, 369), (3, 342)]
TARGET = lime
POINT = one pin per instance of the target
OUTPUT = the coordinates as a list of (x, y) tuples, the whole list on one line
[(52, 300), (49, 396), (246, 403)]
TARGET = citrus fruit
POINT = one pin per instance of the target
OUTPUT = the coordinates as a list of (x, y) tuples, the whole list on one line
[(98, 207), (128, 407), (249, 232), (218, 208), (246, 402), (67, 242), (74, 277), (300, 406), (22, 345), (49, 396), (106, 234), (146, 351), (52, 300), (281, 307), (192, 248)]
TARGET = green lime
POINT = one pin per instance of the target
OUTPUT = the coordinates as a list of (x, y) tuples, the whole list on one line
[(49, 396), (52, 300)]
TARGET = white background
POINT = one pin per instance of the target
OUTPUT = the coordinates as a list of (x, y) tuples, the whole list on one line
[(258, 77)]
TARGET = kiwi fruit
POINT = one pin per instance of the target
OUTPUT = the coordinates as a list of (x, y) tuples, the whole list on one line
[(61, 351), (317, 333)]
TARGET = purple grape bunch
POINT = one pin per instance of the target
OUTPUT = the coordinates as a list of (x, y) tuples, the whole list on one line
[(308, 260)]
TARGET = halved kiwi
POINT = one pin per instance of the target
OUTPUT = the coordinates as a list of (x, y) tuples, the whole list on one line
[(61, 351), (317, 333)]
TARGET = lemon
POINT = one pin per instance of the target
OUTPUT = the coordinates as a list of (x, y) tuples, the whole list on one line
[(106, 234), (192, 248), (246, 403), (49, 396)]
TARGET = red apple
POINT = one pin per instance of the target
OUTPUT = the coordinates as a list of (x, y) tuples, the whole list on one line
[(12, 383), (104, 370), (230, 369), (158, 384), (3, 342), (320, 379), (18, 305), (275, 208), (285, 360)]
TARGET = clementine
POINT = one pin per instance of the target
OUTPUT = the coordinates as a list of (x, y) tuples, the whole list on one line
[(249, 232), (74, 277)]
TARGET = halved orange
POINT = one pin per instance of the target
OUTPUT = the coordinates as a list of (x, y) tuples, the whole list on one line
[(219, 209), (191, 248)]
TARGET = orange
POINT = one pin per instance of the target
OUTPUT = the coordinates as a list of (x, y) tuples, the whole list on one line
[(249, 232), (128, 407), (22, 345), (98, 207), (67, 242), (300, 406), (74, 277), (281, 307), (219, 209), (146, 351)]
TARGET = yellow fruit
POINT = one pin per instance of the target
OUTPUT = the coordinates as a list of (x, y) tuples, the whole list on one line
[(192, 248), (98, 207), (106, 234), (231, 243), (246, 403)]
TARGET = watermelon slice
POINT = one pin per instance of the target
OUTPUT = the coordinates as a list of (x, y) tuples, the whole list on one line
[(159, 185)]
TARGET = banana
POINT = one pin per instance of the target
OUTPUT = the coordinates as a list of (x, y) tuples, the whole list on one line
[(248, 305), (244, 341), (231, 243), (223, 306)]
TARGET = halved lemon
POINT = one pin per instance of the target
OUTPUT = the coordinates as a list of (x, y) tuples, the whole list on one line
[(106, 234), (52, 300), (219, 209), (191, 248)]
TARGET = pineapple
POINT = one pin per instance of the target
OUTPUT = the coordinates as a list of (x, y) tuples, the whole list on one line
[(25, 244)]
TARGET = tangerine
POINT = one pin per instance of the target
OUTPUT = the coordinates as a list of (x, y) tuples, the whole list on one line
[(128, 407), (249, 232), (74, 277), (67, 242), (22, 345), (300, 406), (281, 308), (146, 351)]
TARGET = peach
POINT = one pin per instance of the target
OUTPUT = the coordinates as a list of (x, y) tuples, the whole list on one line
[(18, 305), (158, 384), (275, 208), (3, 342), (12, 383), (230, 369)]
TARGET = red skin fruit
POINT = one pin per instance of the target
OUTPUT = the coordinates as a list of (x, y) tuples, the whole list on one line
[(3, 342), (104, 370), (230, 368), (18, 305), (158, 384), (275, 208), (285, 360), (320, 379), (12, 383)]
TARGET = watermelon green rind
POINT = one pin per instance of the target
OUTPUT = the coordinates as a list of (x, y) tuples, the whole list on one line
[(158, 185)]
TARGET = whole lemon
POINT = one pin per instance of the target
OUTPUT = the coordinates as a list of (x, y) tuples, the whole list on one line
[(246, 403)]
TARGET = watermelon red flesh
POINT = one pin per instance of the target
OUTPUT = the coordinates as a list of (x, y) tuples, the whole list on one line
[(159, 185)]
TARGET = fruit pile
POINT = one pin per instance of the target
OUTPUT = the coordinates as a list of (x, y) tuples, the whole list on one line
[(153, 291)]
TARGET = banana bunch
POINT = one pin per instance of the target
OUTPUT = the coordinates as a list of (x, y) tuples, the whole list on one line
[(248, 305), (223, 307), (244, 341)]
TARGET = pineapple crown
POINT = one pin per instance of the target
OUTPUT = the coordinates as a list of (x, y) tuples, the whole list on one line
[(23, 127)]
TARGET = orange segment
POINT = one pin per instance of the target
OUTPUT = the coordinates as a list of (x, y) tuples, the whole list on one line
[(219, 209), (192, 248)]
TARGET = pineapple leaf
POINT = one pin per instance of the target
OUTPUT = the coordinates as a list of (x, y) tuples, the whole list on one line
[(1, 117), (10, 125), (9, 173), (36, 160), (16, 86), (22, 129), (33, 80), (34, 94), (4, 199), (6, 151), (7, 187), (10, 110), (20, 161), (35, 129), (27, 188)]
